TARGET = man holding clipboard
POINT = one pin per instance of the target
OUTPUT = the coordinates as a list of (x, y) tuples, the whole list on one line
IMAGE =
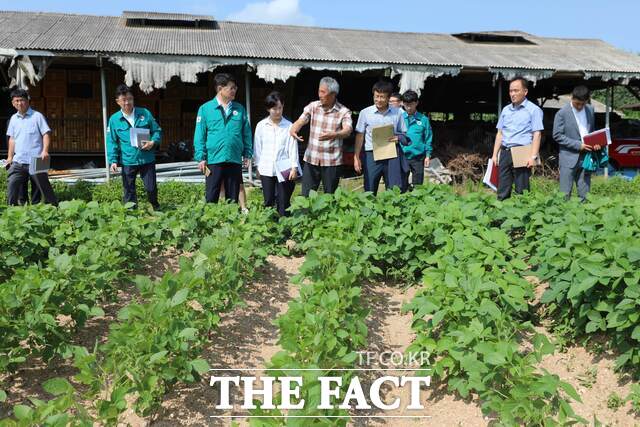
[(133, 136), (380, 127), (517, 141), (571, 123)]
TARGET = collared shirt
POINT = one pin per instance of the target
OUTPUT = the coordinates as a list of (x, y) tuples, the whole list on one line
[(220, 137), (131, 118), (370, 117), (119, 149), (420, 135), (518, 123), (227, 108), (27, 132), (581, 119), (337, 118), (272, 143)]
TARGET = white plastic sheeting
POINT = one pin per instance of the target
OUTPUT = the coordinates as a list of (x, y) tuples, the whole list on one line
[(22, 69), (414, 78), (272, 72), (154, 71), (621, 78), (511, 73)]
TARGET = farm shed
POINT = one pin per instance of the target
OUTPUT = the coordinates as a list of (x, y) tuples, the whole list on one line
[(72, 63)]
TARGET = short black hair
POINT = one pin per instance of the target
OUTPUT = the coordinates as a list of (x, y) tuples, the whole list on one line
[(410, 96), (19, 93), (522, 80), (383, 86), (581, 93), (123, 89), (396, 95), (272, 99), (223, 79)]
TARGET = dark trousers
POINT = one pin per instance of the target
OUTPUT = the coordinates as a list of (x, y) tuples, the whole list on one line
[(508, 175), (312, 175), (18, 181), (391, 170), (148, 174), (229, 174), (277, 194), (416, 168)]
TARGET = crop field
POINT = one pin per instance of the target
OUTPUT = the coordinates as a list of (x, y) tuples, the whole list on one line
[(529, 309)]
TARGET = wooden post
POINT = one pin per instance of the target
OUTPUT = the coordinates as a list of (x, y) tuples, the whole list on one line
[(607, 119), (499, 96), (103, 87), (247, 89)]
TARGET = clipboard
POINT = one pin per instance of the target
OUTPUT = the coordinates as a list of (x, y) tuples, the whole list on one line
[(521, 156), (38, 165), (138, 137), (382, 148)]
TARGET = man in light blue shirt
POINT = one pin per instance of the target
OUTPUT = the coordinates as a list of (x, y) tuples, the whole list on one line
[(380, 114), (28, 134), (520, 124)]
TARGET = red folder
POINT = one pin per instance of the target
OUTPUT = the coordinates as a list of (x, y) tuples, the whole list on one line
[(491, 175), (494, 174), (600, 137)]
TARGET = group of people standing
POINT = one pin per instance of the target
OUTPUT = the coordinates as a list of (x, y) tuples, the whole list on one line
[(224, 143), (521, 124)]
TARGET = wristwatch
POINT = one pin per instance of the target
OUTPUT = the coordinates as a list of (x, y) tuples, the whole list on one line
[(535, 157)]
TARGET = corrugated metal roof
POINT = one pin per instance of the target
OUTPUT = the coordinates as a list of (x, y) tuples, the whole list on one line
[(108, 34), (129, 14)]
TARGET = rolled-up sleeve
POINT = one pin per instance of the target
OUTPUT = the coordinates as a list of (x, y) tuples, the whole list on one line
[(306, 113), (500, 124), (11, 128), (43, 126), (347, 120), (361, 125), (536, 120)]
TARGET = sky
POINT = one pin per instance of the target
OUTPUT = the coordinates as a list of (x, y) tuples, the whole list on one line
[(615, 21)]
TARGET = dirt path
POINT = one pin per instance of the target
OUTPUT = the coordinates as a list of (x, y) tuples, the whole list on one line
[(246, 338), (595, 381), (390, 330)]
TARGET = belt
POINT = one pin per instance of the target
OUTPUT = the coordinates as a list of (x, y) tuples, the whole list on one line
[(502, 147)]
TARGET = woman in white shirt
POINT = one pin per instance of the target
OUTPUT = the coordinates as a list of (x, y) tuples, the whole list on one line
[(276, 154)]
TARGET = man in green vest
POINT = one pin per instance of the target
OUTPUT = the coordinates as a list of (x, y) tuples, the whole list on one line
[(418, 152), (135, 156), (222, 140)]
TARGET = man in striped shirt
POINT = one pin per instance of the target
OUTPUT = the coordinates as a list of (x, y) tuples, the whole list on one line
[(330, 123)]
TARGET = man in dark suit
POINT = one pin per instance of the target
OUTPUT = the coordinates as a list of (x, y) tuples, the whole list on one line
[(572, 122)]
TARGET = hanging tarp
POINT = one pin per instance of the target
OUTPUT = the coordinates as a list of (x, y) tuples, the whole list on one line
[(26, 67), (528, 74), (414, 78)]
